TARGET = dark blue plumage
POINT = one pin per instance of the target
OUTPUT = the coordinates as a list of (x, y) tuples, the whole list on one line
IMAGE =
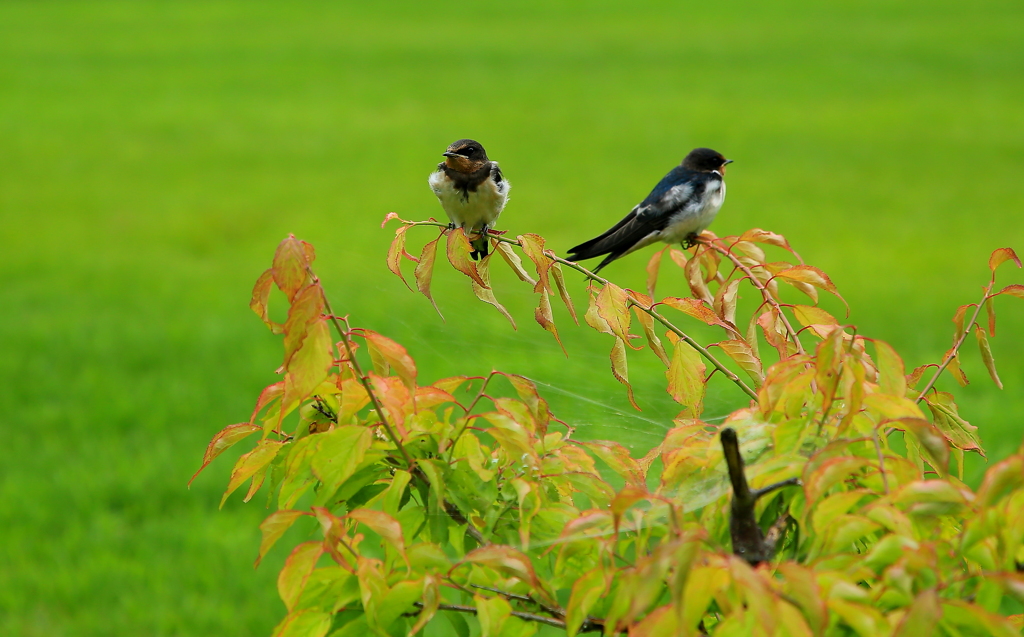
[(679, 208)]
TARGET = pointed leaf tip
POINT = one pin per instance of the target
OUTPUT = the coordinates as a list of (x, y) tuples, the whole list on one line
[(1001, 256), (458, 251)]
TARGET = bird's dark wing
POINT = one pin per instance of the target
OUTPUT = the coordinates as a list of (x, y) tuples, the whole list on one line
[(651, 215)]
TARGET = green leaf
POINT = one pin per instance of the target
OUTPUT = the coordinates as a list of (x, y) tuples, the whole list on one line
[(292, 578), (338, 454), (986, 356), (744, 356), (618, 460), (930, 439), (892, 377), (1000, 480), (812, 315), (274, 527), (250, 463), (686, 379), (613, 307), (586, 592), (492, 613), (304, 623), (383, 525), (818, 481)]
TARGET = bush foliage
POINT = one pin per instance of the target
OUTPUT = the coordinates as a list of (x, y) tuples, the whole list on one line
[(826, 505)]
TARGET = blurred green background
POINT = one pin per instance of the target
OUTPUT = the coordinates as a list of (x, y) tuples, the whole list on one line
[(152, 155)]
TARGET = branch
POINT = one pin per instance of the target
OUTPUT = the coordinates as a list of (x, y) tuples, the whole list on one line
[(771, 300), (363, 379), (951, 354), (632, 302), (589, 625), (748, 541)]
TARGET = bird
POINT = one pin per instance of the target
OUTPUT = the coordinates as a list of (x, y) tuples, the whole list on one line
[(679, 208), (472, 191)]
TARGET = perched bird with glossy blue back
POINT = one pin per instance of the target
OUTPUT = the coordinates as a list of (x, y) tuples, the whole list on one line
[(472, 191), (679, 208)]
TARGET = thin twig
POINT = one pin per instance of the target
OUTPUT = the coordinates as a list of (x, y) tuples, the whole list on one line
[(956, 347), (363, 379), (630, 302), (771, 300), (589, 625)]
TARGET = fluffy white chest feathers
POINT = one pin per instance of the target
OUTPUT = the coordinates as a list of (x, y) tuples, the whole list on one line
[(696, 216), (470, 209)]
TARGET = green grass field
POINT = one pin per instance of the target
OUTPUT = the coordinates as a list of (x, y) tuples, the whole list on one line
[(152, 155)]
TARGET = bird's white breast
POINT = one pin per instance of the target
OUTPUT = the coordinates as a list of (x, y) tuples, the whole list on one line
[(696, 216), (474, 209)]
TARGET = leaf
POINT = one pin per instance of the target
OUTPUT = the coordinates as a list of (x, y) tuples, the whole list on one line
[(695, 279), (1000, 480), (492, 613), (292, 578), (510, 563), (307, 622), (290, 265), (261, 298), (586, 591), (990, 310), (958, 321), (822, 477), (986, 355), (740, 352), (307, 306), (699, 310), (514, 262), (960, 433), (556, 270), (757, 235), (620, 370), (533, 247), (892, 377), (394, 354), (458, 250), (395, 253), (812, 315), (546, 319), (647, 322), (954, 367), (774, 332), (425, 271), (725, 301), (383, 525), (618, 460), (1001, 256), (274, 527), (309, 366), (624, 499), (653, 265), (486, 294), (812, 276), (250, 463), (1016, 290), (686, 378), (613, 307), (431, 602), (339, 453), (224, 440), (930, 439)]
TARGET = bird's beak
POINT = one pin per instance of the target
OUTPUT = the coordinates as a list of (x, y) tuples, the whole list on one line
[(728, 161), (449, 153)]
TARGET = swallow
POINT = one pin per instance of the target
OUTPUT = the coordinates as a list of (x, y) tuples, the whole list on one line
[(679, 208), (472, 191)]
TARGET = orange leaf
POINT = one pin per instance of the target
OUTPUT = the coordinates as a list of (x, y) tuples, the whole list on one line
[(509, 562), (627, 497), (395, 253), (1001, 256), (725, 301), (812, 276), (388, 217), (458, 250), (546, 319), (514, 262), (290, 263), (260, 300), (394, 354), (309, 365), (307, 306), (652, 270), (774, 332), (695, 279), (1016, 290), (954, 367), (224, 440), (699, 310), (593, 317), (556, 270), (425, 271), (758, 235), (613, 307), (533, 247), (620, 370)]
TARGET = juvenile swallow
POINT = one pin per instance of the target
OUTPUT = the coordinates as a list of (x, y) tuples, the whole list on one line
[(679, 208), (471, 190)]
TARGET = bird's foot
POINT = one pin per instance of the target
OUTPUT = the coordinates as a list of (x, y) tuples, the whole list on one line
[(690, 240)]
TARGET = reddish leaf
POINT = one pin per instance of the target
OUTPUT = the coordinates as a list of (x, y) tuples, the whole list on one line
[(394, 395), (686, 378), (758, 235), (224, 440), (425, 271), (486, 294), (618, 459), (458, 250), (958, 321), (261, 297), (1016, 290), (695, 279), (394, 354), (307, 306), (290, 264), (744, 356), (274, 527), (990, 310), (292, 578), (986, 356), (533, 247), (250, 463), (395, 253), (613, 307), (699, 310), (391, 215), (812, 276), (954, 367), (514, 262), (653, 265), (546, 319), (556, 270), (725, 302), (620, 369), (774, 332), (1001, 256)]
